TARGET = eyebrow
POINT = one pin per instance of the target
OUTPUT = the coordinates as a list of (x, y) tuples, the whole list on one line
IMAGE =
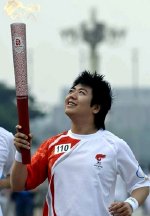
[(81, 88)]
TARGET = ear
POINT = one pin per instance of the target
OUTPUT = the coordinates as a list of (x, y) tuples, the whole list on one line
[(96, 108)]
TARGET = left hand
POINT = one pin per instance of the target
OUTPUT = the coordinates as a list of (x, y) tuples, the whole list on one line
[(120, 209)]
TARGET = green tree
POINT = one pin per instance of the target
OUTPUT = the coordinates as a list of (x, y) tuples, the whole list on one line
[(8, 108)]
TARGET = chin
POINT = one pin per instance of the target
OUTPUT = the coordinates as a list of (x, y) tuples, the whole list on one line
[(69, 113)]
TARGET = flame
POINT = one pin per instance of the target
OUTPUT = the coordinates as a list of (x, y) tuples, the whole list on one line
[(16, 9)]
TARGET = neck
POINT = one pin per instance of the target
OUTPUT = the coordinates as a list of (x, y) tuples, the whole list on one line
[(83, 129)]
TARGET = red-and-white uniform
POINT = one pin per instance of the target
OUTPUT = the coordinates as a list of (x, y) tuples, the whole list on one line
[(82, 171)]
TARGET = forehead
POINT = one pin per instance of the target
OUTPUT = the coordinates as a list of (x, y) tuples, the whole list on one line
[(84, 87)]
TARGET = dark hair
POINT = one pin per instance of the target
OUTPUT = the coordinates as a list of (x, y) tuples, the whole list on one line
[(101, 91)]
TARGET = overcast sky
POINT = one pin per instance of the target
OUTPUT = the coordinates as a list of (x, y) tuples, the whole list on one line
[(55, 63)]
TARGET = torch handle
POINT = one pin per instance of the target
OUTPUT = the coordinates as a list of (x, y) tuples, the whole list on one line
[(23, 118)]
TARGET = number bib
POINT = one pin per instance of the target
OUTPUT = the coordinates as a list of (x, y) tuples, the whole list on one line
[(62, 148)]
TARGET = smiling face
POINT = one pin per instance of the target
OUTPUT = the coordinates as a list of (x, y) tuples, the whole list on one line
[(78, 103)]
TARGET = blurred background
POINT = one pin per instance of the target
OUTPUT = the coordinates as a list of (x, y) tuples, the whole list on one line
[(64, 38)]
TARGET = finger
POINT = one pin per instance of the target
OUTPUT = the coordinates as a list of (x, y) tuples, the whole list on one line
[(20, 141), (117, 205), (21, 144), (21, 138), (114, 205), (31, 136), (113, 209), (18, 127), (21, 135), (122, 210)]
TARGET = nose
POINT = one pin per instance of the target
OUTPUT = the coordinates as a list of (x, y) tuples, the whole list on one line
[(73, 94)]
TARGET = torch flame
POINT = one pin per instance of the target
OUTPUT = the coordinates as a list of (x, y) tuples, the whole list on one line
[(16, 9)]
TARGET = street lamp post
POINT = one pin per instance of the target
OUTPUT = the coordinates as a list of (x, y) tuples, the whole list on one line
[(93, 34)]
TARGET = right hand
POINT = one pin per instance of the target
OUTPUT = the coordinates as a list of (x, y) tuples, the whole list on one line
[(21, 140)]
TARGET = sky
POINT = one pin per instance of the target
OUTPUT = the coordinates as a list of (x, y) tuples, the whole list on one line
[(53, 62)]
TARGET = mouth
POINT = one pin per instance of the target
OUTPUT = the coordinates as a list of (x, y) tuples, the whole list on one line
[(71, 104)]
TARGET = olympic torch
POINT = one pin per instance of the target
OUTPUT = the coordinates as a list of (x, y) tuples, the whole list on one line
[(18, 34)]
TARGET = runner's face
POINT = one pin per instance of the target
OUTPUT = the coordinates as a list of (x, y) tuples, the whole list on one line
[(78, 101)]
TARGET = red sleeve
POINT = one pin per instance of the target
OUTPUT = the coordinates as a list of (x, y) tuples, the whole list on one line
[(37, 170)]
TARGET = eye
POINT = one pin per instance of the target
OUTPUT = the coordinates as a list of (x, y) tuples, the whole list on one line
[(82, 92), (70, 91)]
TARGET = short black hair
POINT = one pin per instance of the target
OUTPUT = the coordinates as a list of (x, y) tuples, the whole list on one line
[(101, 92)]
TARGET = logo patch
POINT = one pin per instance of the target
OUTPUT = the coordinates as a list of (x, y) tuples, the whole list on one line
[(99, 158), (18, 44), (62, 148)]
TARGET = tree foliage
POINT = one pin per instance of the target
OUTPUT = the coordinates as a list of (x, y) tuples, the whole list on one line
[(8, 108)]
